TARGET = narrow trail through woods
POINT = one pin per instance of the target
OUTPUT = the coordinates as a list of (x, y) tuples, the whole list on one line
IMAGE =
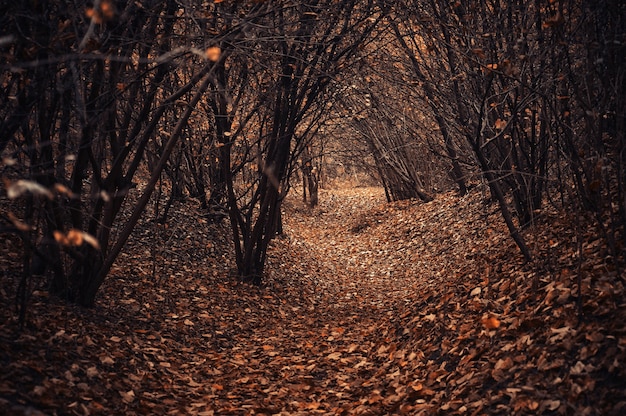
[(350, 286), (341, 277), (352, 266), (360, 264)]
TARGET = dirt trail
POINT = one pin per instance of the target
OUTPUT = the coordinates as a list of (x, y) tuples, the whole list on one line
[(346, 291), (355, 265)]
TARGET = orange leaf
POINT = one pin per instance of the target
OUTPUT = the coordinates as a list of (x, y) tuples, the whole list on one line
[(60, 238), (491, 322), (75, 237), (108, 9), (213, 53)]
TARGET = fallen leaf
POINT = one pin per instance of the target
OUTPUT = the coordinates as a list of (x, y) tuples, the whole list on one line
[(491, 322)]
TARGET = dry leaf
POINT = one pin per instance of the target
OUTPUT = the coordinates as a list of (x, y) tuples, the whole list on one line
[(491, 322), (128, 396), (22, 226), (213, 53), (107, 360), (22, 186)]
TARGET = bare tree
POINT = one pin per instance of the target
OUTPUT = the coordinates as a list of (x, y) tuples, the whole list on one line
[(533, 89), (90, 98), (290, 56)]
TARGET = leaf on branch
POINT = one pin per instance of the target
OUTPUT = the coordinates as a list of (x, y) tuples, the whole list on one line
[(105, 196), (107, 9), (90, 13), (91, 240), (63, 190), (22, 186), (213, 53), (8, 161), (104, 12), (22, 226), (75, 238)]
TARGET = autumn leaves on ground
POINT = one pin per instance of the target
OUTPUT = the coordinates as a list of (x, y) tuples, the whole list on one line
[(368, 308)]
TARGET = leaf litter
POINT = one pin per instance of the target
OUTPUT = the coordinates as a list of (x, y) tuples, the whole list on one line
[(367, 308)]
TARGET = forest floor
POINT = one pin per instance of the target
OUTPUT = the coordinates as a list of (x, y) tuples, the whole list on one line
[(367, 308)]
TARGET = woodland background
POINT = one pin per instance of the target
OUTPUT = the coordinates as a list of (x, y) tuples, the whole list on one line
[(121, 121)]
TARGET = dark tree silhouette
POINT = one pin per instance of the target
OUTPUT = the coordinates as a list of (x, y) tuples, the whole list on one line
[(91, 93)]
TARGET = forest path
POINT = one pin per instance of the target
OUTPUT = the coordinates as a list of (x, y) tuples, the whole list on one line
[(354, 265), (361, 300), (348, 284), (357, 265)]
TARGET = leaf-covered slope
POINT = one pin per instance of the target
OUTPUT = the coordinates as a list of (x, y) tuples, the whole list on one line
[(368, 308)]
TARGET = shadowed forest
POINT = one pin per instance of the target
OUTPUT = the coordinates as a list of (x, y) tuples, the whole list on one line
[(312, 207)]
